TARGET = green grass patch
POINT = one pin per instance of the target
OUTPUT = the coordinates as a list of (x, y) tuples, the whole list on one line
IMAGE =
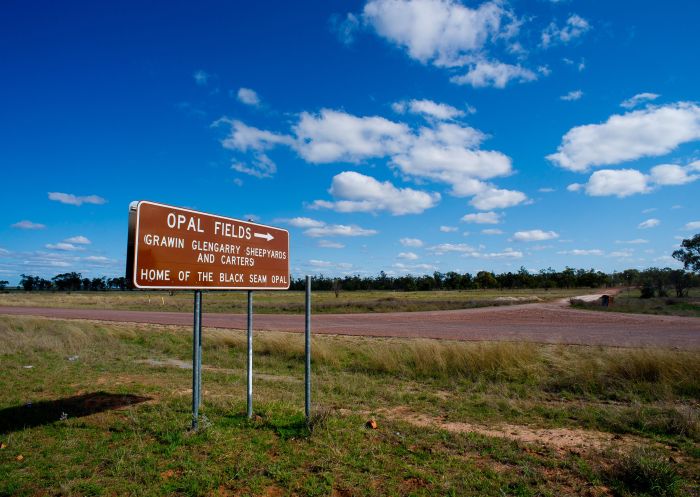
[(104, 409)]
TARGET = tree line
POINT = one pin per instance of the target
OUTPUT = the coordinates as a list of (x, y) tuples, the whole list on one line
[(71, 282), (656, 280), (659, 280), (653, 281)]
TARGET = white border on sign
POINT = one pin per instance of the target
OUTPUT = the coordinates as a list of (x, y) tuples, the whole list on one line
[(136, 252)]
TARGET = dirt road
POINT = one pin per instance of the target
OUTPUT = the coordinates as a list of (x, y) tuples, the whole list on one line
[(543, 323)]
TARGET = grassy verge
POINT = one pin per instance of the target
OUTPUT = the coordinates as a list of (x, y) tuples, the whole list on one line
[(629, 301), (109, 409), (286, 302)]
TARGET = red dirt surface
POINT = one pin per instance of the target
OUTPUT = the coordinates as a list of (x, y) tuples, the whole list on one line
[(542, 323)]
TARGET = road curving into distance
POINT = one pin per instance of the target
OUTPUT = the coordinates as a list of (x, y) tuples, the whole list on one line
[(553, 322)]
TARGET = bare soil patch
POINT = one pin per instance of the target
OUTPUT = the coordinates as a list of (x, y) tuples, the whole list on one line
[(560, 439)]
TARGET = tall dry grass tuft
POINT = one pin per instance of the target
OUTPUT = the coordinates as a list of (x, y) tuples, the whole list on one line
[(599, 370), (432, 358), (283, 345), (31, 335)]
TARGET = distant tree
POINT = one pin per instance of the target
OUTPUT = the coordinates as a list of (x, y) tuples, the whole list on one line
[(67, 281), (31, 283), (337, 286), (630, 277), (97, 284), (3, 284), (117, 283), (546, 278), (453, 280), (426, 283), (647, 290), (689, 254), (681, 281), (486, 279), (438, 279), (26, 282), (567, 278), (524, 279), (658, 278)]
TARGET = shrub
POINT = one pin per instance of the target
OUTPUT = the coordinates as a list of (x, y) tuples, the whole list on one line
[(647, 472), (647, 291)]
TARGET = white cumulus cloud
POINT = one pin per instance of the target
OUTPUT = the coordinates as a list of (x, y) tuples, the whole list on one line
[(448, 229), (338, 230), (632, 102), (619, 182), (508, 253), (438, 31), (409, 256), (244, 137), (333, 136), (330, 244), (649, 223), (63, 246), (444, 248), (261, 166), (648, 132), (81, 240), (494, 73), (625, 182), (595, 252), (357, 192), (636, 241), (534, 235), (672, 174), (692, 225), (70, 199), (482, 218), (444, 152), (574, 27), (411, 242), (248, 97), (494, 198), (201, 77), (28, 225), (572, 95), (428, 108), (305, 222)]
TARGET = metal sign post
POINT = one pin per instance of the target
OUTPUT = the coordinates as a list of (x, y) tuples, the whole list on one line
[(196, 358), (250, 355), (307, 349)]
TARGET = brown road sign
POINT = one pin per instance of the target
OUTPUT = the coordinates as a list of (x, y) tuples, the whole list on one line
[(176, 248)]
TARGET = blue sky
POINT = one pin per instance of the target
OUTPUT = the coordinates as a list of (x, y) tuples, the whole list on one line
[(385, 135)]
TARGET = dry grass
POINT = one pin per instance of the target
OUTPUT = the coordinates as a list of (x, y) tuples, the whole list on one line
[(558, 368), (432, 358), (30, 336), (285, 302)]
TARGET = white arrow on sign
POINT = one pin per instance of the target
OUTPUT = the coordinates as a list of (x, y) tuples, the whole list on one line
[(266, 236)]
